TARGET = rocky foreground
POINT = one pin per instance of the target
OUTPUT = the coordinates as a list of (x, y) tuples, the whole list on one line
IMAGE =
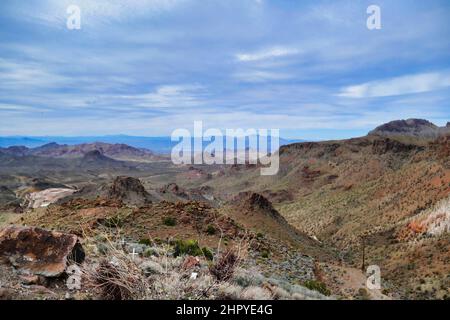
[(41, 264)]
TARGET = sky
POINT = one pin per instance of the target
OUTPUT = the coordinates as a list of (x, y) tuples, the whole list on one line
[(147, 67)]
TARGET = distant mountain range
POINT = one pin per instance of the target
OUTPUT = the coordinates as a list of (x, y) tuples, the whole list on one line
[(159, 145), (417, 128)]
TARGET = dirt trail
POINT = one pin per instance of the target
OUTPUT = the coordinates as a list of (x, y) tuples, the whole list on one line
[(348, 282)]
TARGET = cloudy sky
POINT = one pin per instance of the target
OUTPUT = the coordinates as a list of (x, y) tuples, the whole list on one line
[(147, 67)]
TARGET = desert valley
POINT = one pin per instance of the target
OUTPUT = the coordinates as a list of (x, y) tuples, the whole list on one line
[(136, 226)]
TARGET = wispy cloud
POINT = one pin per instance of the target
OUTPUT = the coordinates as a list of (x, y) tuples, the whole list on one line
[(417, 83), (269, 53), (169, 96), (150, 66), (261, 76)]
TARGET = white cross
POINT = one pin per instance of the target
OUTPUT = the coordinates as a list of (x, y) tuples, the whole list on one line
[(134, 253), (194, 275), (122, 242)]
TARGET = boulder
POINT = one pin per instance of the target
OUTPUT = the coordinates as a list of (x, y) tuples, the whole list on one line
[(39, 252)]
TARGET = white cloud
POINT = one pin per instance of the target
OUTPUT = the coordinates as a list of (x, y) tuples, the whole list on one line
[(23, 76), (417, 83), (260, 76), (270, 53), (169, 96)]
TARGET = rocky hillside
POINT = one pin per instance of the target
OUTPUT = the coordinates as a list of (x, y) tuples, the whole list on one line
[(371, 187)]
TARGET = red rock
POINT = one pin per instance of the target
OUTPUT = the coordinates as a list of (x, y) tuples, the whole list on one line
[(191, 262), (39, 252)]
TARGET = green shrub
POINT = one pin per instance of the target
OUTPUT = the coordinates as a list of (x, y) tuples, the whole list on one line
[(317, 286), (150, 252), (207, 253), (169, 221), (187, 247), (210, 230), (265, 254), (146, 242), (259, 235)]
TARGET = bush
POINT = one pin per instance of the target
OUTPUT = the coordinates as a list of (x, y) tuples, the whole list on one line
[(146, 242), (210, 230), (169, 221), (317, 286), (187, 247), (246, 278), (207, 253), (265, 254), (112, 222), (224, 268)]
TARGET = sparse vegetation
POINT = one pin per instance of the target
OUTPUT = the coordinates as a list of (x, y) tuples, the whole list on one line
[(211, 230), (169, 221), (317, 286), (189, 247)]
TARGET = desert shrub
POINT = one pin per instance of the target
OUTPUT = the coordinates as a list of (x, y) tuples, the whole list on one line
[(265, 254), (227, 291), (117, 280), (146, 242), (149, 252), (259, 235), (187, 247), (102, 248), (112, 222), (317, 286), (169, 221), (207, 253), (256, 293), (151, 267), (211, 230), (223, 268), (246, 278)]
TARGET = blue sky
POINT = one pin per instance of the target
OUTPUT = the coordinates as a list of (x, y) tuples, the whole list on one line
[(309, 68)]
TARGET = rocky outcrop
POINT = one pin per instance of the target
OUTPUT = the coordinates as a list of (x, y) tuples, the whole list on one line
[(173, 188), (128, 190), (39, 252)]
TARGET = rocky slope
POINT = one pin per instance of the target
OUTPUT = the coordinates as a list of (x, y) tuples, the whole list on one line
[(371, 187)]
